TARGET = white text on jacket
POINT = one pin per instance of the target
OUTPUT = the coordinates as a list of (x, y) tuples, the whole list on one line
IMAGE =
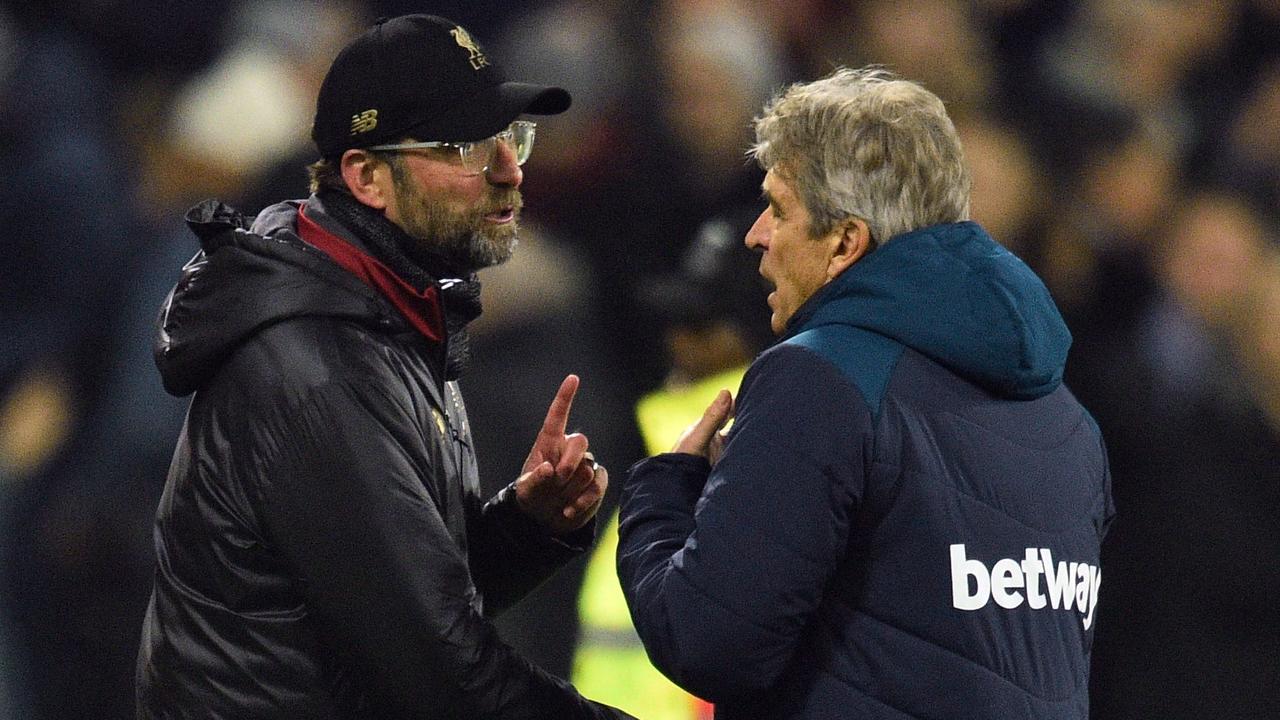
[(1066, 583)]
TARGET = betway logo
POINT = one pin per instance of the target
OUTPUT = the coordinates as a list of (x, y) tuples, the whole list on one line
[(1065, 584)]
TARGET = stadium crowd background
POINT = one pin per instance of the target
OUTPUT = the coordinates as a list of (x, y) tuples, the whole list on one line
[(1129, 150)]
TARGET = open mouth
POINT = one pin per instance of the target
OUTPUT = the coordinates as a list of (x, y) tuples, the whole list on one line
[(502, 215), (767, 282), (769, 286)]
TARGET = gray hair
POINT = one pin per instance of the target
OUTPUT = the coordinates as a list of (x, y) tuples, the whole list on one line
[(866, 144)]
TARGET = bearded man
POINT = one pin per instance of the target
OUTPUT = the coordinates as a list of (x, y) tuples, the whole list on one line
[(322, 548)]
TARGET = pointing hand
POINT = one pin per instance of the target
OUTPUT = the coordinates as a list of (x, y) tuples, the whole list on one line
[(561, 485)]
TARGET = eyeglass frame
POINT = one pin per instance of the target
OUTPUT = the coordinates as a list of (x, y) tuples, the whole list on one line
[(509, 131)]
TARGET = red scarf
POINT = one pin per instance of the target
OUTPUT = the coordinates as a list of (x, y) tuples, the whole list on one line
[(421, 309)]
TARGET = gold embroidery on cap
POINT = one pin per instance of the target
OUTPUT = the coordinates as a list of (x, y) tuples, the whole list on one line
[(478, 60), (364, 122)]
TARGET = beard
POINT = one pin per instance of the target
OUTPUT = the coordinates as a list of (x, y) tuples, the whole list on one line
[(462, 238)]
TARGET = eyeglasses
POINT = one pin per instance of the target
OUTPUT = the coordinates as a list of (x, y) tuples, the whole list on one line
[(479, 155)]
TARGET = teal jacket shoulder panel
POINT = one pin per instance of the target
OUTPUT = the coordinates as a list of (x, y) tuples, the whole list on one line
[(955, 295)]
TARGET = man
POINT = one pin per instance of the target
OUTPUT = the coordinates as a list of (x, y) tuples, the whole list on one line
[(322, 548), (904, 519)]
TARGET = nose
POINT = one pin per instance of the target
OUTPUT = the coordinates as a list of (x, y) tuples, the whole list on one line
[(761, 230), (504, 170)]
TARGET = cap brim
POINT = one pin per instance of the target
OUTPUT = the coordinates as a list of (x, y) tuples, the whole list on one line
[(487, 112), (537, 99)]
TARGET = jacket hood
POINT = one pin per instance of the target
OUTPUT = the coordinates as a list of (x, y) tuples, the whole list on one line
[(246, 278), (953, 294)]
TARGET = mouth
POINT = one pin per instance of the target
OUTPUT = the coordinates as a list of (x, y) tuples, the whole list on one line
[(766, 282), (501, 216)]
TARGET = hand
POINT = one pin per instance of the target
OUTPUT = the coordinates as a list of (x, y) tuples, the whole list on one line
[(561, 485), (704, 437)]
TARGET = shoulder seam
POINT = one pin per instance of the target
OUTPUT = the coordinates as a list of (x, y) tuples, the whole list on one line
[(867, 365)]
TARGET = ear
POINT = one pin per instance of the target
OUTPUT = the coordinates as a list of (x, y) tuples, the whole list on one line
[(853, 242), (368, 179)]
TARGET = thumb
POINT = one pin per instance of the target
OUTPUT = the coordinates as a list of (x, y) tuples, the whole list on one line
[(532, 482), (697, 437)]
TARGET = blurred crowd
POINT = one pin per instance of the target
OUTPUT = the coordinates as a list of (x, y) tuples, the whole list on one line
[(1128, 150)]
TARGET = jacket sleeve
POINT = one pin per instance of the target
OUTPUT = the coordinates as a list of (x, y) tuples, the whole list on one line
[(384, 581), (511, 554), (722, 568)]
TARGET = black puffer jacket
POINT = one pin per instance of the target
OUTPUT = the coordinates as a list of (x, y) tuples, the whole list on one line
[(323, 551)]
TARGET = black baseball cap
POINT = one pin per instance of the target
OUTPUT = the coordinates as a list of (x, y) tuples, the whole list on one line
[(421, 76)]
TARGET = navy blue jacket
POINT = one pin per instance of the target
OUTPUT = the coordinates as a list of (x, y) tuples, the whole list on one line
[(906, 519)]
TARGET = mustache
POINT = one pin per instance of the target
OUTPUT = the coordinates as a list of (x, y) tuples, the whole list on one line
[(500, 199)]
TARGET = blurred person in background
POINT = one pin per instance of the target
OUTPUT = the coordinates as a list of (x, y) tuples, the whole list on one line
[(83, 558), (839, 551), (648, 164), (1188, 394), (519, 343), (1008, 197), (715, 321), (594, 48), (811, 35), (1169, 288), (692, 74), (935, 41), (122, 62), (1149, 59), (131, 40), (238, 127), (14, 422), (323, 549), (1111, 208), (66, 239), (520, 346), (1248, 156), (715, 64)]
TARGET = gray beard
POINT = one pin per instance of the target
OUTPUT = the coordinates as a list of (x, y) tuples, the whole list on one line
[(468, 253)]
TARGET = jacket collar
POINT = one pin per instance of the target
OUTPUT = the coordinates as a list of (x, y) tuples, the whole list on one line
[(422, 309)]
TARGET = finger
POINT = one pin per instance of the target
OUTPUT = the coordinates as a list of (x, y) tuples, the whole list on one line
[(713, 419), (581, 478), (588, 501), (558, 414), (716, 447), (534, 482), (585, 504), (575, 447), (582, 474)]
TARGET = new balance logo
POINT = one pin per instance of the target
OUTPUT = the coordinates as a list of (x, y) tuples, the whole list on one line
[(364, 122), (1065, 584)]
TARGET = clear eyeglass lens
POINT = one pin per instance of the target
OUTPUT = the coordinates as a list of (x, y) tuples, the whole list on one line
[(478, 156), (474, 158)]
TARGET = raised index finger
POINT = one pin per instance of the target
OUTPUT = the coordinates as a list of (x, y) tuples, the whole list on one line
[(558, 414)]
